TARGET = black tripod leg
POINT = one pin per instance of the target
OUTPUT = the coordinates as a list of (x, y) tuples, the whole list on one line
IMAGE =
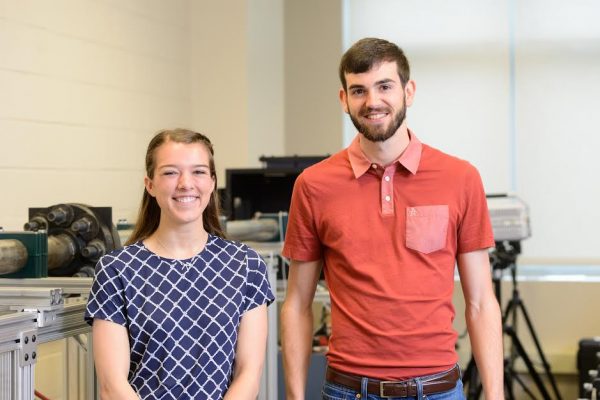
[(507, 312), (521, 351), (467, 371), (510, 359), (508, 379), (540, 352), (508, 391), (471, 378), (524, 386)]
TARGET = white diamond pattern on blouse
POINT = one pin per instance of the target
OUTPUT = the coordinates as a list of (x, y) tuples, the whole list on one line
[(182, 316)]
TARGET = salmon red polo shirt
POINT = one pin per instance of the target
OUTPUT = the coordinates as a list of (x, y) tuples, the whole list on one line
[(389, 237)]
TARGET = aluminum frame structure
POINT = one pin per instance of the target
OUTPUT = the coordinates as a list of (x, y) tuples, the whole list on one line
[(33, 312), (268, 381)]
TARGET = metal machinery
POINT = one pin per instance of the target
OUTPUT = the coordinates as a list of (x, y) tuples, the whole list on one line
[(77, 236), (46, 274), (268, 381), (36, 311), (64, 242)]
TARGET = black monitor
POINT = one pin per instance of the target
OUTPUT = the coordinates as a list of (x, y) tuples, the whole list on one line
[(266, 190), (251, 190)]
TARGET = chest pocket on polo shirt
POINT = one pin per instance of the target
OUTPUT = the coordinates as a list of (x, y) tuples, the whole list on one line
[(426, 228)]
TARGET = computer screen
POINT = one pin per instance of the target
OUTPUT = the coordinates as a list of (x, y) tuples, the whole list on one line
[(266, 190)]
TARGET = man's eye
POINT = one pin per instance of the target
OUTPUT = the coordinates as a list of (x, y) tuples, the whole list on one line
[(357, 92), (169, 173), (200, 172)]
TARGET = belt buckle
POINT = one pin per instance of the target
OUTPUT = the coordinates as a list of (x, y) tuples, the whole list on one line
[(381, 389)]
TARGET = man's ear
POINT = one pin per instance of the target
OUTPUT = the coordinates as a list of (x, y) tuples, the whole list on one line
[(409, 92), (343, 100)]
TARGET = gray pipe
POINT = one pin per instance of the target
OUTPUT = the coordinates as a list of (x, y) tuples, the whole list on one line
[(259, 230), (13, 256), (61, 251)]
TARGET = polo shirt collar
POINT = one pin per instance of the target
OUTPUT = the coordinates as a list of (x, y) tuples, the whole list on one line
[(409, 159)]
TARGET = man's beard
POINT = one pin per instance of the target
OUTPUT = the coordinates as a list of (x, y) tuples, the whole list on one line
[(378, 134)]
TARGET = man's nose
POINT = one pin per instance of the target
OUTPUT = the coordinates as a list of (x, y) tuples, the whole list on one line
[(372, 99)]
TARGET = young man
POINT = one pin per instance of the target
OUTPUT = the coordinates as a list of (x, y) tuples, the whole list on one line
[(388, 218)]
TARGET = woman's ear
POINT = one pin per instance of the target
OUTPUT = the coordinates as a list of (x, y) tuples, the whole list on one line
[(149, 185)]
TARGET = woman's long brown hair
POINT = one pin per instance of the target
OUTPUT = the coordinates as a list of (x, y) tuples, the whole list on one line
[(149, 213)]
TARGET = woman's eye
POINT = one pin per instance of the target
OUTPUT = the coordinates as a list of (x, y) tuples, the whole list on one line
[(200, 172)]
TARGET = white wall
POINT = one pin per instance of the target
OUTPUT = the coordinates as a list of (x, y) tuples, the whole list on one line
[(313, 46), (218, 78), (266, 80), (558, 97), (237, 79), (83, 85)]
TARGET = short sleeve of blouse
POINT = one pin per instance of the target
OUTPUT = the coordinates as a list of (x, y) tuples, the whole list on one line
[(258, 288), (106, 300)]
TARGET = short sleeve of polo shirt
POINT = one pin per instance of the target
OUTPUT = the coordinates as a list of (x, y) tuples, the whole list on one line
[(475, 229), (258, 289), (106, 300), (301, 239)]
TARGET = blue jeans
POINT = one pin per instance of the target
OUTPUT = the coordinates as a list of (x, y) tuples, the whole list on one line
[(333, 391)]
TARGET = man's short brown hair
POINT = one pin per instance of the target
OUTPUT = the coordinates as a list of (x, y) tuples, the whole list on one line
[(367, 52)]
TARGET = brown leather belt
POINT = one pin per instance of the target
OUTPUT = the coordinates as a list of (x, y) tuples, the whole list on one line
[(435, 383)]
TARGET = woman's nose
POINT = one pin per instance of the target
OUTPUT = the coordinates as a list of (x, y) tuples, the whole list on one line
[(184, 181)]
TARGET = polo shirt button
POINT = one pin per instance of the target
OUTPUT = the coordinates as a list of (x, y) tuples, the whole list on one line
[(374, 166), (387, 178), (387, 198)]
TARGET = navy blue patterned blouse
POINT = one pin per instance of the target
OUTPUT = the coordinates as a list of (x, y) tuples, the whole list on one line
[(182, 315)]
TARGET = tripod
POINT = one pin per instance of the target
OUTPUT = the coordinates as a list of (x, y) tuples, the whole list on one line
[(504, 256)]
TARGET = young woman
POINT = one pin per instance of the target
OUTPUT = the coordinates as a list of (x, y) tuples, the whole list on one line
[(180, 312)]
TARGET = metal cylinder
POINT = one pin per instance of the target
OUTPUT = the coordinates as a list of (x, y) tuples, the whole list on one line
[(13, 256), (61, 251), (86, 227), (87, 271), (81, 225), (32, 226), (260, 230), (35, 224), (61, 215), (94, 250)]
